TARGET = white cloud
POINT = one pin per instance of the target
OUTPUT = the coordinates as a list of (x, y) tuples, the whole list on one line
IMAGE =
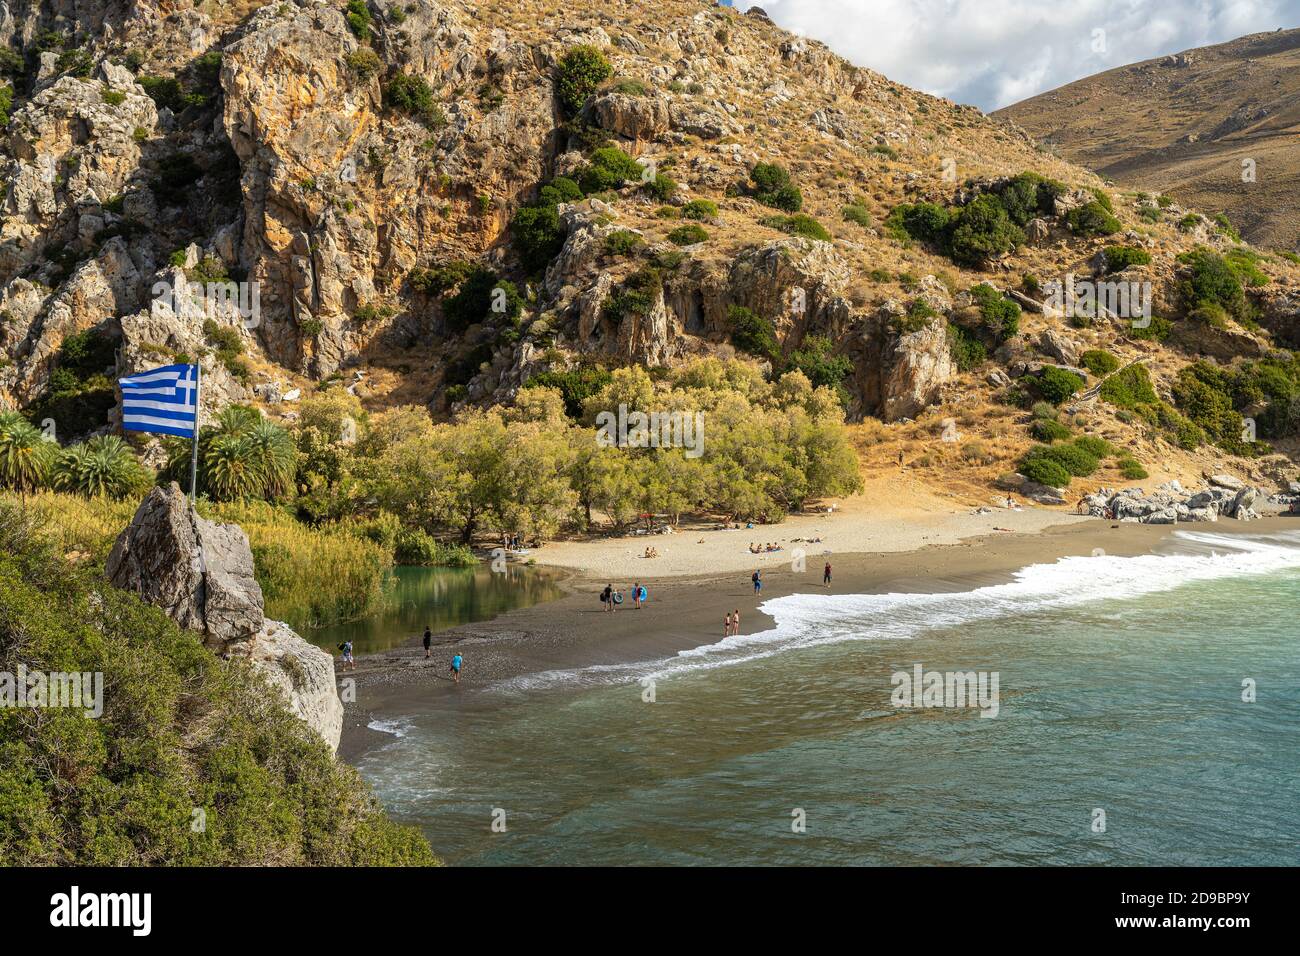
[(995, 52)]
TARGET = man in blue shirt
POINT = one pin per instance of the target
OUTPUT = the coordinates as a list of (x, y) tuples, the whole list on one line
[(455, 668)]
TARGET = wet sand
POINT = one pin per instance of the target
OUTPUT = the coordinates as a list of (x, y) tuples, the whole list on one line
[(685, 612)]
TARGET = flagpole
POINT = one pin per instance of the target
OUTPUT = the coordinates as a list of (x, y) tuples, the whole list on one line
[(194, 440)]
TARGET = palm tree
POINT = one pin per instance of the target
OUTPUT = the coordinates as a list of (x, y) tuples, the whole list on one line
[(104, 466), (25, 454), (276, 457), (232, 468), (241, 455)]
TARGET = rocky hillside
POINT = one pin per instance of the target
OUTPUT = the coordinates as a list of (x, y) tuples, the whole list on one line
[(437, 202), (1185, 124)]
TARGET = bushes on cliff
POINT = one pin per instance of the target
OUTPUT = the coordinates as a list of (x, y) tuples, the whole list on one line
[(752, 333), (577, 75), (181, 731), (1209, 279), (771, 185), (483, 295), (1056, 385), (412, 95)]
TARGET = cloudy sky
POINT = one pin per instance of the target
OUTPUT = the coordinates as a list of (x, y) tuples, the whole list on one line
[(992, 53)]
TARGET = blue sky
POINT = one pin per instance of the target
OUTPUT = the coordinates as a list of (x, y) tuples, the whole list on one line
[(992, 53)]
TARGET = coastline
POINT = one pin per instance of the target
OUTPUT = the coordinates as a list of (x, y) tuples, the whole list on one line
[(686, 611)]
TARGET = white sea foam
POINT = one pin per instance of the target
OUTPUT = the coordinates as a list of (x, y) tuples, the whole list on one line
[(397, 727), (811, 620)]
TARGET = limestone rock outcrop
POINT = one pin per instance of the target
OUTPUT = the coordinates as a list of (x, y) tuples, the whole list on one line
[(201, 574)]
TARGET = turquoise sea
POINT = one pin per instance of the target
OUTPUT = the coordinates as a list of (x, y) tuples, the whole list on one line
[(1120, 683)]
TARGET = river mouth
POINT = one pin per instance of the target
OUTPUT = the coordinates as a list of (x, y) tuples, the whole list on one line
[(439, 599), (1127, 731)]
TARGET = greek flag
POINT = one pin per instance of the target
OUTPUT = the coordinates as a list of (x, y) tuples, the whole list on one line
[(164, 401)]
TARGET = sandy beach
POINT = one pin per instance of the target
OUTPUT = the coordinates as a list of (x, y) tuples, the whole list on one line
[(686, 609), (893, 516)]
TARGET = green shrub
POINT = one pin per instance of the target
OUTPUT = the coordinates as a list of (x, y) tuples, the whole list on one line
[(799, 224), (1000, 314), (858, 214), (1099, 362), (536, 228), (623, 242), (1157, 330), (580, 71), (112, 97), (1097, 447), (1056, 385), (661, 187), (924, 222), (1209, 279), (982, 231), (1044, 410), (1119, 258), (358, 19), (1092, 219), (575, 385), (771, 186), (165, 91), (1046, 430), (1028, 196), (364, 62), (478, 298), (1045, 472), (1076, 460), (688, 235), (1132, 469), (816, 358), (1130, 388), (752, 333), (700, 209), (438, 279), (609, 168), (967, 351), (411, 95)]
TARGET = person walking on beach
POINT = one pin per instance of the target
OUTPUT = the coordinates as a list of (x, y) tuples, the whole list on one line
[(607, 597), (636, 595), (455, 668), (428, 639), (348, 662), (826, 575), (758, 582)]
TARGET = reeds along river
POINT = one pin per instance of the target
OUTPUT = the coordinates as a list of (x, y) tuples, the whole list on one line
[(1147, 714)]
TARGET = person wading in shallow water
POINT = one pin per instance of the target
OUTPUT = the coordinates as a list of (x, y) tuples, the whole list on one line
[(428, 639), (735, 621)]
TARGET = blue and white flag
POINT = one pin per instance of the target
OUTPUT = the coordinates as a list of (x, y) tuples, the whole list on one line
[(163, 400)]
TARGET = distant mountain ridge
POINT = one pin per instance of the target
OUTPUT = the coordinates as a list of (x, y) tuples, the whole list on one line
[(1187, 124)]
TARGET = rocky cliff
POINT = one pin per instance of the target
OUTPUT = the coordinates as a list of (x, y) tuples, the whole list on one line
[(201, 574), (354, 162)]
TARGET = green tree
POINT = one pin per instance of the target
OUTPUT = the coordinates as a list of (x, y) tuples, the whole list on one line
[(577, 75), (25, 455)]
